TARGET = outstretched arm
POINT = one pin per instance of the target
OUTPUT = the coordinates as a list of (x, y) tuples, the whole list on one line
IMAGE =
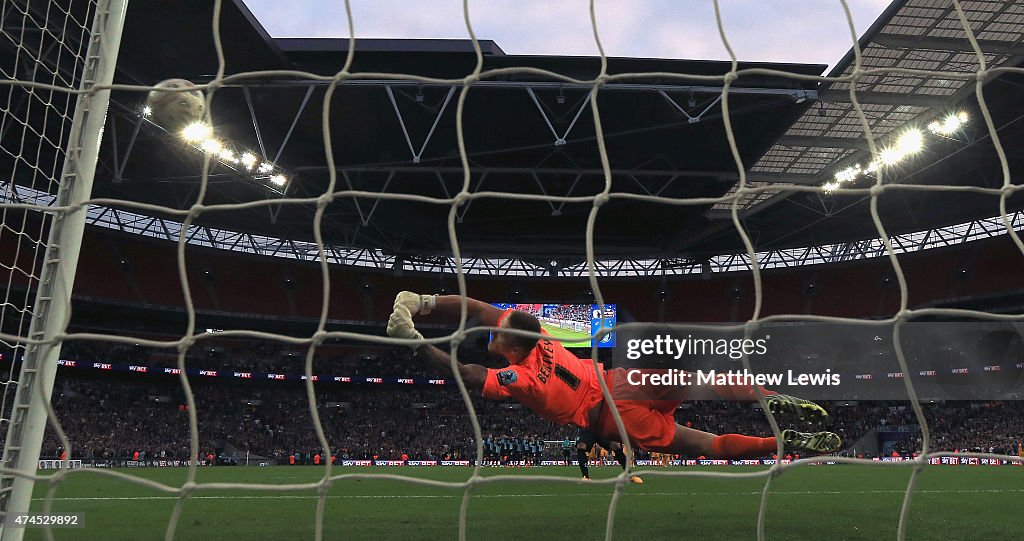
[(473, 375), (487, 314), (400, 326), (448, 304)]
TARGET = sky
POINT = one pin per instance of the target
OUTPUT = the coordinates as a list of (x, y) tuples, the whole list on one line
[(801, 31)]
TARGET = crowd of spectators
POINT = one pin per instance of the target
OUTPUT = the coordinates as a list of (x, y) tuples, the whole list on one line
[(115, 417), (986, 427), (536, 309), (571, 312), (111, 417)]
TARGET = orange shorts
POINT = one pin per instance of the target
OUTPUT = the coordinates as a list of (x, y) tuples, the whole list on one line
[(648, 413)]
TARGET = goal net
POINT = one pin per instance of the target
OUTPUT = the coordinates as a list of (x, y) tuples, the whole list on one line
[(59, 67), (56, 55)]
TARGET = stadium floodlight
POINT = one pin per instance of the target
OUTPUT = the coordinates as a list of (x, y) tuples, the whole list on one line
[(890, 156), (196, 132), (849, 174), (949, 125), (910, 142), (201, 136), (212, 146), (248, 159)]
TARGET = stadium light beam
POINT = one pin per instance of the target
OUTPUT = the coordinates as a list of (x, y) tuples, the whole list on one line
[(911, 142), (849, 174), (196, 132), (907, 144), (212, 146), (201, 136), (890, 156), (228, 156), (949, 125), (248, 159)]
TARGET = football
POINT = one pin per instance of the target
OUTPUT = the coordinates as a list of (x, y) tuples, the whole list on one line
[(176, 103)]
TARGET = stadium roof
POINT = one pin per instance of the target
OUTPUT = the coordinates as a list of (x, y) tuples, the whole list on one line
[(534, 134), (923, 35), (526, 133)]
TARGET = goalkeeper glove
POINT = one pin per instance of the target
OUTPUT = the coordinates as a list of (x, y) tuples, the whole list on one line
[(400, 326), (416, 303)]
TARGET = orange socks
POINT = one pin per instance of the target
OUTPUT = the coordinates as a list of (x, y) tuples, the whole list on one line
[(739, 446)]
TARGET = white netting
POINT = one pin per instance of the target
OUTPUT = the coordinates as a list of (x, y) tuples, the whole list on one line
[(48, 48), (43, 44), (57, 87)]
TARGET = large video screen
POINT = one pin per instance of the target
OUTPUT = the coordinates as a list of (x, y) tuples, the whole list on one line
[(572, 323)]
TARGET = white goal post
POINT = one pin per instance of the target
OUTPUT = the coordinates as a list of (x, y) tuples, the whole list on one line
[(31, 405)]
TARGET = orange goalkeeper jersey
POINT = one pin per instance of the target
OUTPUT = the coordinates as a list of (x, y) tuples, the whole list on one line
[(552, 382)]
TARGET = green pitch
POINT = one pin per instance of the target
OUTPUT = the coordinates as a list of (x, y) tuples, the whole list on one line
[(570, 339), (823, 502)]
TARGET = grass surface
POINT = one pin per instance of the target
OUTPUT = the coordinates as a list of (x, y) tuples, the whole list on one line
[(570, 339), (821, 502)]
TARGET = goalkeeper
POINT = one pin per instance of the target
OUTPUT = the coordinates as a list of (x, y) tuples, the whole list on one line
[(558, 386)]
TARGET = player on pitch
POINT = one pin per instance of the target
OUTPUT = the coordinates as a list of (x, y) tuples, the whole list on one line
[(558, 386), (586, 443)]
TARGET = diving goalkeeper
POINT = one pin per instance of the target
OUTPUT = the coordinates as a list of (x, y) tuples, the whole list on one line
[(558, 386)]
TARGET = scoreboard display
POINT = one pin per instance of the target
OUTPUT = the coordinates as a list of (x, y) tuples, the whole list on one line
[(573, 324)]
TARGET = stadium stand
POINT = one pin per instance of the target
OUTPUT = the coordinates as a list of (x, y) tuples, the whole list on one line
[(110, 418)]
